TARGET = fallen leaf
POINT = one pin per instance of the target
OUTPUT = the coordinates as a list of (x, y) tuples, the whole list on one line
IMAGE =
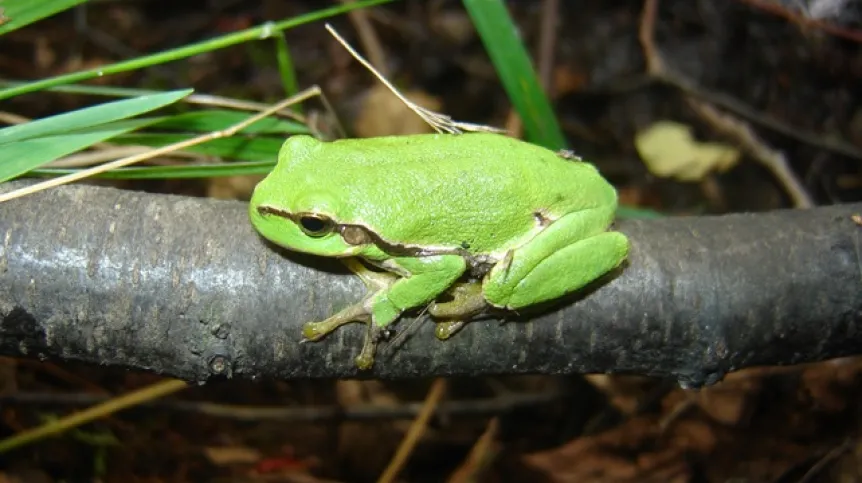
[(731, 403), (231, 455), (624, 392), (669, 151), (632, 452)]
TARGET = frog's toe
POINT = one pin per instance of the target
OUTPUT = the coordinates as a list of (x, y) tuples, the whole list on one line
[(365, 359), (314, 331), (447, 329), (466, 300)]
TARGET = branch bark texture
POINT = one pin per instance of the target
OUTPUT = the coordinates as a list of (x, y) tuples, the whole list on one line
[(185, 287)]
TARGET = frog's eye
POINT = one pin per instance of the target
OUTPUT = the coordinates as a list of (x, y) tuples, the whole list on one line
[(315, 225)]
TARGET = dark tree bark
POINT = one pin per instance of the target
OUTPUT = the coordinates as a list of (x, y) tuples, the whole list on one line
[(185, 287)]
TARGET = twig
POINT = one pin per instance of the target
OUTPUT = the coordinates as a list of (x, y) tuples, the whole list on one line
[(821, 464), (414, 433), (442, 123), (480, 457), (547, 42), (106, 152), (96, 274), (777, 9), (241, 105), (491, 406), (773, 160), (368, 37), (10, 118), (646, 31), (133, 398)]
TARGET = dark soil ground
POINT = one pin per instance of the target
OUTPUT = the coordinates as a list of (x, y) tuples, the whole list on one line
[(789, 71)]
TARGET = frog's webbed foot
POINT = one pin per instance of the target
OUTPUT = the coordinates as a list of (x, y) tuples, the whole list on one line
[(373, 336), (467, 302), (314, 331), (359, 312)]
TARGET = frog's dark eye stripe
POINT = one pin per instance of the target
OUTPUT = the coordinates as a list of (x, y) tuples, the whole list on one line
[(312, 224), (269, 210), (315, 225)]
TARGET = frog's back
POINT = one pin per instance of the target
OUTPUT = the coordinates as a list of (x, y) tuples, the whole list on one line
[(479, 191)]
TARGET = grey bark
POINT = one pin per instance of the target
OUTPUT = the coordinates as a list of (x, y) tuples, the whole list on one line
[(185, 287)]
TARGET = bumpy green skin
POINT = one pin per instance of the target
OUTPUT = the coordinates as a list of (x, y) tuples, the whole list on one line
[(430, 207)]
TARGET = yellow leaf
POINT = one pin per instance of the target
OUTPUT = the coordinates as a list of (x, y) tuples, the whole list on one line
[(669, 151)]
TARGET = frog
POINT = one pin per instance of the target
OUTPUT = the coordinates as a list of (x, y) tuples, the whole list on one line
[(456, 224)]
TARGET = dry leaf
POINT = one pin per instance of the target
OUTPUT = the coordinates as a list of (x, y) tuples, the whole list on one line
[(624, 392), (829, 385), (731, 403), (231, 455), (670, 151), (632, 452)]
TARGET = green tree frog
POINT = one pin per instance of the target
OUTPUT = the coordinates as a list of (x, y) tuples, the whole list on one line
[(489, 220)]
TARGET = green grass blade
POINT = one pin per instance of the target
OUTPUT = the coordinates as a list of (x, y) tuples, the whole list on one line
[(256, 33), (235, 147), (24, 12), (510, 58), (217, 119), (84, 89), (87, 117), (286, 70), (22, 156), (172, 172)]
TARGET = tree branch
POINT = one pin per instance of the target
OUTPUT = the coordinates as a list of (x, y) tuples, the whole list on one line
[(185, 287)]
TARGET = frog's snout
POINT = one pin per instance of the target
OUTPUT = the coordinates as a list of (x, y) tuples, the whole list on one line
[(260, 193)]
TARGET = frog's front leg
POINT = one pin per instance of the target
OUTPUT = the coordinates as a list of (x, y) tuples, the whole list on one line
[(358, 312), (423, 278)]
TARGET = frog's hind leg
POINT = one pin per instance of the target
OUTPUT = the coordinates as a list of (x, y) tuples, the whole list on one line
[(572, 252), (466, 301)]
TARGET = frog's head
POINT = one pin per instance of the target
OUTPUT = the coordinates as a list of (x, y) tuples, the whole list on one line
[(290, 211)]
